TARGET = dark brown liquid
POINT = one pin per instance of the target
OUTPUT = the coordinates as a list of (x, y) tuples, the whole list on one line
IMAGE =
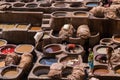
[(52, 49), (101, 71)]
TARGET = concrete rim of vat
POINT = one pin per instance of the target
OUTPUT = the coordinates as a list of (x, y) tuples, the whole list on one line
[(11, 67), (53, 53), (4, 42), (23, 45), (97, 47), (116, 36), (82, 50), (106, 41), (19, 4), (59, 14), (96, 2), (100, 67), (63, 58), (55, 5), (6, 3), (84, 12)]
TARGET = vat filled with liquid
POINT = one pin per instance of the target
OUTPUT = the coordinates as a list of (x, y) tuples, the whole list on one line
[(9, 48), (48, 61), (24, 48), (11, 72), (70, 60), (52, 49), (100, 70), (92, 4), (41, 71)]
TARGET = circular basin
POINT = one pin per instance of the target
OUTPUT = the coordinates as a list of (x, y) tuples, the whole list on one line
[(18, 5), (60, 5), (59, 14), (10, 72), (76, 50), (70, 60), (9, 48), (24, 48), (32, 5), (101, 49), (100, 70), (116, 38), (48, 61), (75, 5), (41, 71), (92, 4), (81, 14), (106, 41), (52, 49)]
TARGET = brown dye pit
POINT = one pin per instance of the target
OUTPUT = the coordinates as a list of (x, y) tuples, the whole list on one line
[(11, 73), (60, 5), (80, 14), (22, 26), (7, 26), (35, 28), (118, 71), (24, 48), (2, 63), (117, 39), (2, 43), (101, 71), (52, 48)]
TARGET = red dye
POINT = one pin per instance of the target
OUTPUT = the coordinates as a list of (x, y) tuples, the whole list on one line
[(71, 46), (7, 50)]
